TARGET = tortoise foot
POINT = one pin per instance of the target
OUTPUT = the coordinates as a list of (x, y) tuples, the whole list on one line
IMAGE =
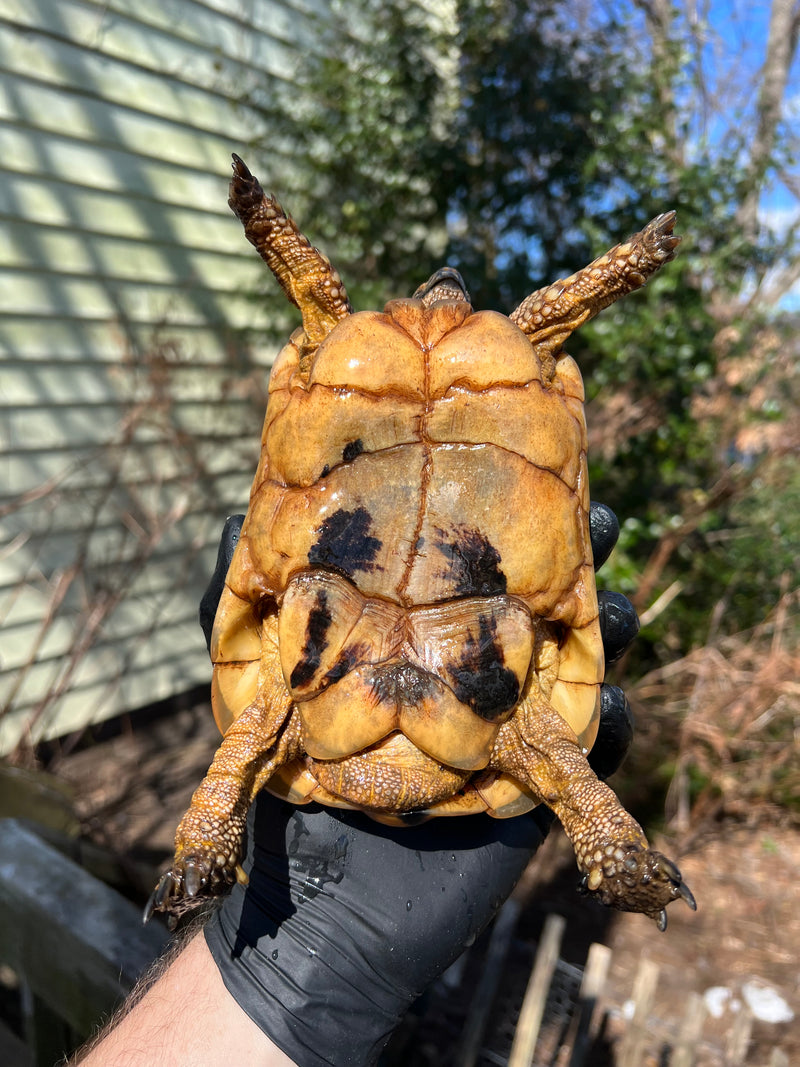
[(192, 879), (632, 878), (658, 241)]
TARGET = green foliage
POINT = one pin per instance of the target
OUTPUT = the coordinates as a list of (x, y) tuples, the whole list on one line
[(758, 542), (517, 142), (362, 116), (513, 174)]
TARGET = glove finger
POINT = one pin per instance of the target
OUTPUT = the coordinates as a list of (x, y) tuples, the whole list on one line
[(619, 623), (615, 732), (227, 544), (603, 532)]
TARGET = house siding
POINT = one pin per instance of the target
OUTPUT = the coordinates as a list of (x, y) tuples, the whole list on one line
[(133, 338)]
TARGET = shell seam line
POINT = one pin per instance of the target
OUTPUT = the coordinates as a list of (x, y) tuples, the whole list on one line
[(425, 479), (425, 398), (428, 446)]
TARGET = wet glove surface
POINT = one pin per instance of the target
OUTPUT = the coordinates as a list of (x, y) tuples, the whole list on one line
[(345, 922)]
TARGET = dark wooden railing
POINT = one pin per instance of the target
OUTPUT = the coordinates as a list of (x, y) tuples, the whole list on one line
[(75, 945)]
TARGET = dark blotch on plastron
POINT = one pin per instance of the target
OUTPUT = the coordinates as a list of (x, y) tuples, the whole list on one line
[(481, 680), (352, 449), (474, 563), (343, 543), (316, 641), (344, 664), (402, 683)]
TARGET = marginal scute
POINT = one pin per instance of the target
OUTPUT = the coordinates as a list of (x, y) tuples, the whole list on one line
[(250, 575), (233, 688), (503, 797), (294, 783), (236, 635), (581, 654), (579, 605), (238, 685), (286, 364), (575, 409), (570, 377), (578, 703)]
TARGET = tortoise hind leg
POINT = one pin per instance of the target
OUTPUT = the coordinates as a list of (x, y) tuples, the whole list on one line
[(538, 748), (209, 837)]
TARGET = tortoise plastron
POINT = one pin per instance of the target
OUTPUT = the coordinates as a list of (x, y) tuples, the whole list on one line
[(409, 625)]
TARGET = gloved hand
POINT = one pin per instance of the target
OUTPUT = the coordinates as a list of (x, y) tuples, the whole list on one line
[(344, 921)]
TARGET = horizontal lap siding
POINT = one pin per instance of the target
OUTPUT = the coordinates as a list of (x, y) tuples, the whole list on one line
[(133, 336)]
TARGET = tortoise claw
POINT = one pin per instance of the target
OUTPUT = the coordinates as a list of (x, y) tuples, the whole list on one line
[(687, 895), (149, 907), (666, 883), (193, 879), (158, 899)]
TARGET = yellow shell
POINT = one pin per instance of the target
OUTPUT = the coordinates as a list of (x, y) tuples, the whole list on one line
[(417, 543)]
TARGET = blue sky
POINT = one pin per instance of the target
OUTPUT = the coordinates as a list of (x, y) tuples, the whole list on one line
[(735, 36)]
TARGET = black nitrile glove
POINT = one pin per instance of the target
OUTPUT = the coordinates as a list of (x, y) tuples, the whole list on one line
[(345, 921), (210, 600)]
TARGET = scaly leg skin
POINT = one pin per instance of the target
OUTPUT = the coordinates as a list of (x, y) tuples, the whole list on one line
[(304, 273), (550, 315), (209, 837), (620, 869)]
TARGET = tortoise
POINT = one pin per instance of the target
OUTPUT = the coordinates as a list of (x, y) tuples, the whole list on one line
[(409, 625)]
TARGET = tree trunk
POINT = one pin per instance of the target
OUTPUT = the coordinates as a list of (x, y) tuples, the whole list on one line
[(784, 24)]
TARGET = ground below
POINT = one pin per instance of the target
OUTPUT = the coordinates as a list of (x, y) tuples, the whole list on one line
[(132, 785)]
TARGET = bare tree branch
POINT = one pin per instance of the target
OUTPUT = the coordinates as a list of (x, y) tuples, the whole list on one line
[(660, 16), (784, 24)]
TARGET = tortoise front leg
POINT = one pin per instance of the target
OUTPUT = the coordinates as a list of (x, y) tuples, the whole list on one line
[(304, 273), (538, 748), (550, 315)]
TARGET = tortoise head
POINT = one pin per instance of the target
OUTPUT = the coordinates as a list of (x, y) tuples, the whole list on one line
[(444, 284)]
